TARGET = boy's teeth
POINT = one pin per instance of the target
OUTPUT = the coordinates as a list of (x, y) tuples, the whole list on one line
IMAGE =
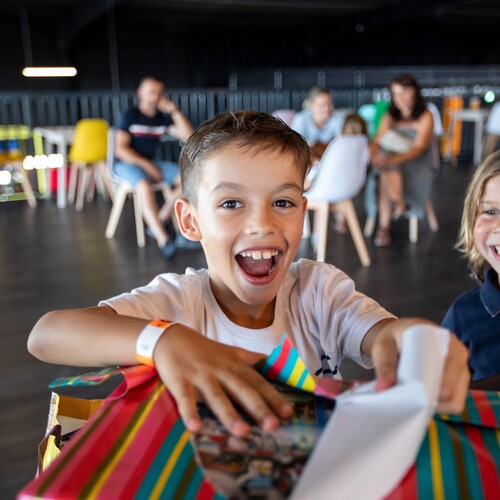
[(258, 255)]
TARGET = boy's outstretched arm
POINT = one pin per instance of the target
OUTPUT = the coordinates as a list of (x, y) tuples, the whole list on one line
[(189, 364), (382, 344)]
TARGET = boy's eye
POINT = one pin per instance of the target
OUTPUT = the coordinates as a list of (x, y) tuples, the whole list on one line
[(284, 203), (231, 204), (491, 211)]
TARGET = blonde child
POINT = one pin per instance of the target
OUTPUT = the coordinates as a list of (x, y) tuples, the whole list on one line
[(354, 124), (475, 315), (242, 179)]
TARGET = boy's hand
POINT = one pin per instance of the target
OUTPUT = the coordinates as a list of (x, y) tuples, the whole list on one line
[(383, 342), (192, 366)]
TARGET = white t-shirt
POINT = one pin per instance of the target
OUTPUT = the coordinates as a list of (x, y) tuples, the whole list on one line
[(317, 306)]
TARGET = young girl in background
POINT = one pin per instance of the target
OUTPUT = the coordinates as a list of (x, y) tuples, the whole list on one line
[(475, 315), (354, 124)]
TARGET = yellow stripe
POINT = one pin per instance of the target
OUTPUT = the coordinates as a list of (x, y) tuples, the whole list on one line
[(309, 384), (169, 466), (126, 442), (437, 480), (294, 377), (497, 432)]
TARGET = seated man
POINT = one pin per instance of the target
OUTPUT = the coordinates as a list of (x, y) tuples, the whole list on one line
[(138, 132)]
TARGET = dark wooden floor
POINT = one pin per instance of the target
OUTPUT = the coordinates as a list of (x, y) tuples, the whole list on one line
[(54, 259)]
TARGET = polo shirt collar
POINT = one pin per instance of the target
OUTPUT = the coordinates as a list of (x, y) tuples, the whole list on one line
[(490, 293)]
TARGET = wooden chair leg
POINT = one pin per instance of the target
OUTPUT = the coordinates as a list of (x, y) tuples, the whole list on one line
[(347, 208), (108, 190), (322, 230), (73, 177), (26, 184), (431, 216), (139, 223), (116, 211), (91, 184), (82, 188), (413, 228)]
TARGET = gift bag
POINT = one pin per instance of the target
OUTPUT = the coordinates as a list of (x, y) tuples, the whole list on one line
[(135, 446)]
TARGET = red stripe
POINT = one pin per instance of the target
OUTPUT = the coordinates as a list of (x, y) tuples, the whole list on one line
[(143, 449), (94, 446), (275, 370), (486, 413), (485, 464), (407, 488), (206, 491)]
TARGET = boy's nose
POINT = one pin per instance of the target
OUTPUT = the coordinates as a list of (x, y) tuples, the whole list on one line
[(261, 221)]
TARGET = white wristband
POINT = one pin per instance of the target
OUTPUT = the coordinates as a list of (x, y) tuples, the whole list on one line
[(147, 340)]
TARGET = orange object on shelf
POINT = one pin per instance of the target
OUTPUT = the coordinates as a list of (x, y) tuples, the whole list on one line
[(455, 136)]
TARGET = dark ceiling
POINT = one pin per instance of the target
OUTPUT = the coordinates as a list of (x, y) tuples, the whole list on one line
[(205, 40)]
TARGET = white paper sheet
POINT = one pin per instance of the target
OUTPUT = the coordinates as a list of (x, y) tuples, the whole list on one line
[(372, 439)]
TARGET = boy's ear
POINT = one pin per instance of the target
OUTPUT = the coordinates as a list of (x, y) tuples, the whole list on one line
[(186, 219)]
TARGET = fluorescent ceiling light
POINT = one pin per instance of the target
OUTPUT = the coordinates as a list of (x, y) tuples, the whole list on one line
[(40, 71)]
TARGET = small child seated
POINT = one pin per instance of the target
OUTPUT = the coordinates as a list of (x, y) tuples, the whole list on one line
[(475, 315), (242, 179)]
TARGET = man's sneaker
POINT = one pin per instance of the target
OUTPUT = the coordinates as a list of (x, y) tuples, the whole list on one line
[(182, 242), (169, 249)]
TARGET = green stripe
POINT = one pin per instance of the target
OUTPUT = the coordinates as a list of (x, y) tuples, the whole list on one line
[(154, 471), (110, 455), (471, 469), (184, 477), (196, 482), (424, 471), (491, 443), (494, 400), (447, 459), (456, 442)]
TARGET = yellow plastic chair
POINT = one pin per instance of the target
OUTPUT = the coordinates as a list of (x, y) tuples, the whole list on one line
[(87, 156)]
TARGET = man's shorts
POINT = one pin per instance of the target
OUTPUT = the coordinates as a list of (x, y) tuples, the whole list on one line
[(133, 174)]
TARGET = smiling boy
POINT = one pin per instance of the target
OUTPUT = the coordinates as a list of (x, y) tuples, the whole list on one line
[(242, 177)]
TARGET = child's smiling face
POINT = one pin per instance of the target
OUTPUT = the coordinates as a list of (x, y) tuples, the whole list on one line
[(248, 217), (487, 225)]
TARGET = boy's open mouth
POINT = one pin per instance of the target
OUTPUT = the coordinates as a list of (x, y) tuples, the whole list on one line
[(496, 250), (258, 263)]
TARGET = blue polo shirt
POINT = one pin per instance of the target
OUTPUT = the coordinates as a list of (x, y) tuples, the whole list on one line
[(475, 318), (145, 131)]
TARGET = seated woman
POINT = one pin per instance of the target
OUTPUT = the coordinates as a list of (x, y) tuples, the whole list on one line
[(317, 122), (401, 152)]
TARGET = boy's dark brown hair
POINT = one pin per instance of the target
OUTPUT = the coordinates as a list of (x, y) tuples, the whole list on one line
[(247, 129)]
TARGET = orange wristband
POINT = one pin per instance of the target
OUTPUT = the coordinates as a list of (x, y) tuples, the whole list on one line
[(147, 340)]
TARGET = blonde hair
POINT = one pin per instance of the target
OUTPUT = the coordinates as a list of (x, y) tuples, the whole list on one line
[(473, 196), (312, 94), (354, 124)]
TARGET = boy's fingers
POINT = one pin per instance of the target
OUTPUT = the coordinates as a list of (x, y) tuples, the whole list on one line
[(455, 380), (184, 394), (223, 409), (273, 399), (385, 356)]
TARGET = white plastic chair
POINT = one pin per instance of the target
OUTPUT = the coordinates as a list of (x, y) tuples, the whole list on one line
[(286, 115), (492, 130), (341, 176), (438, 133), (121, 190)]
